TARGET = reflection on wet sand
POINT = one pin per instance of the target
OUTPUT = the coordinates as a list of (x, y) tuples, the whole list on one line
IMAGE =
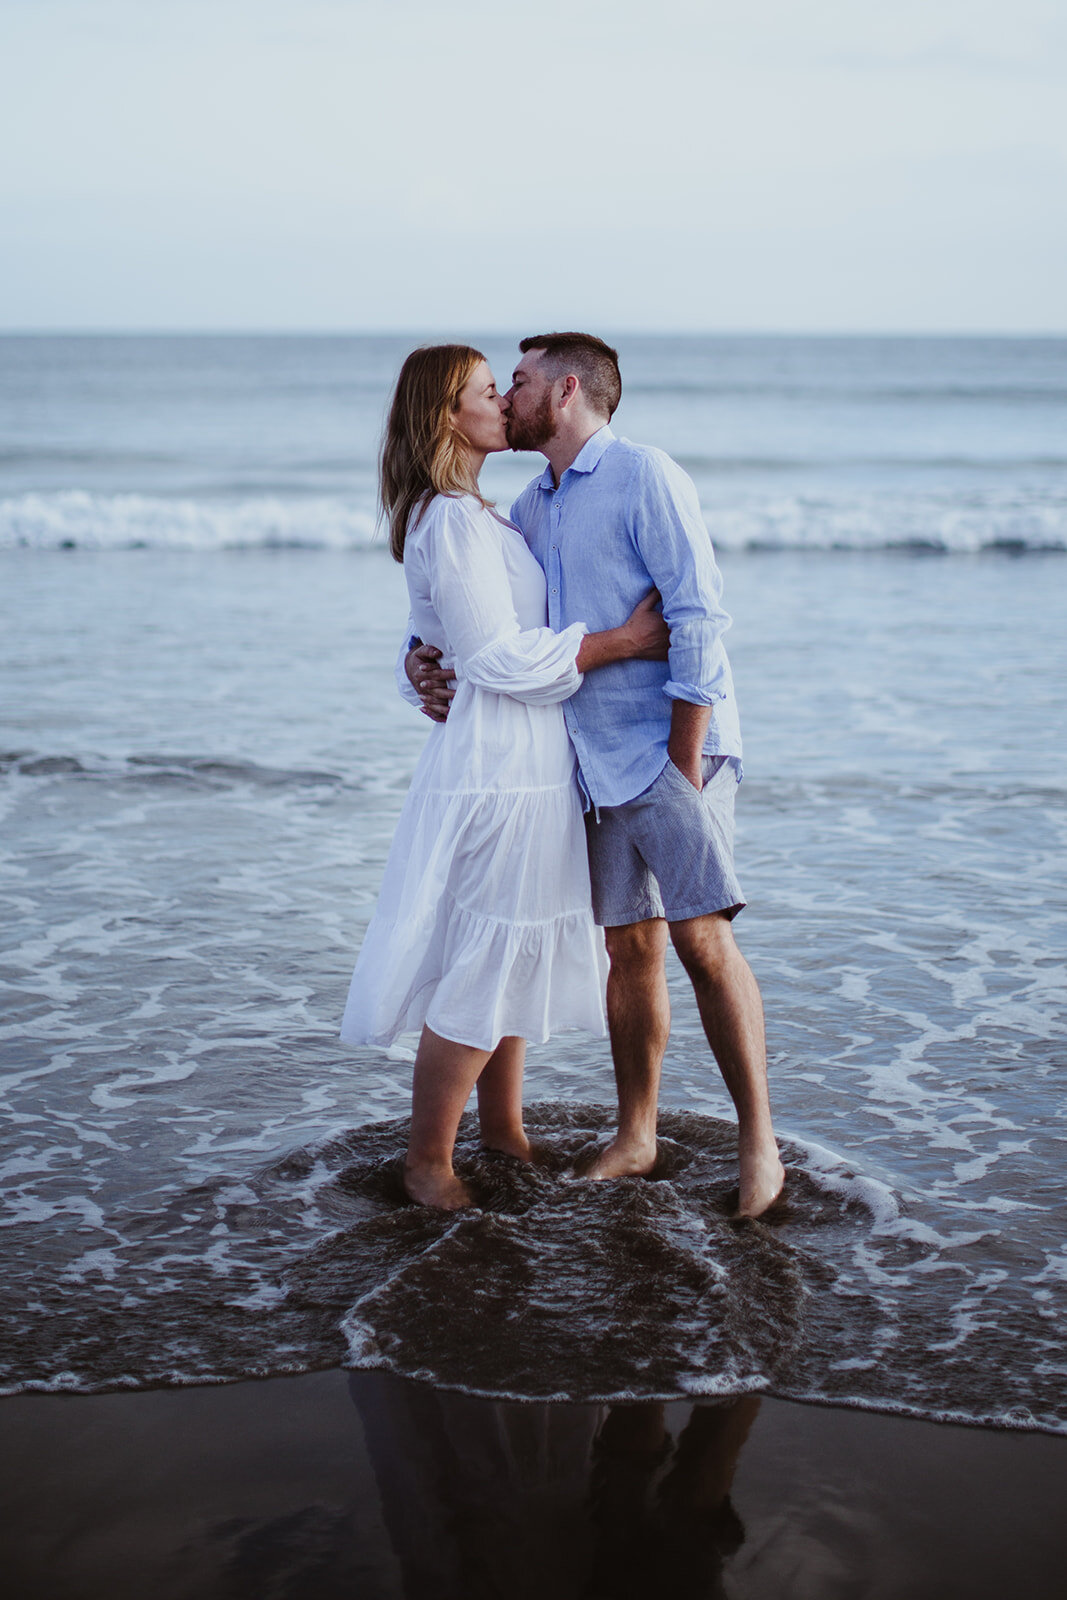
[(486, 1498), (662, 1506), (281, 1491)]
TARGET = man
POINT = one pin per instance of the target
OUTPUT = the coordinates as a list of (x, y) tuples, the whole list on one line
[(658, 744)]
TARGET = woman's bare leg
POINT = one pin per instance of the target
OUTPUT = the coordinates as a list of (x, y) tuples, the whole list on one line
[(445, 1074), (500, 1099)]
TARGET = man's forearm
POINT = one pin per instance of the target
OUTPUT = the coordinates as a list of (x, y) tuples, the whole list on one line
[(685, 745)]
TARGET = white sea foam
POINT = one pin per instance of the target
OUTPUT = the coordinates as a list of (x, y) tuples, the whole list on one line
[(835, 1175), (75, 518), (1007, 518), (83, 519), (104, 1262)]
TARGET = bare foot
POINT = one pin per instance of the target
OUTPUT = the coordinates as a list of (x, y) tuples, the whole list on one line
[(436, 1186), (762, 1180), (629, 1158), (510, 1144), (534, 1152)]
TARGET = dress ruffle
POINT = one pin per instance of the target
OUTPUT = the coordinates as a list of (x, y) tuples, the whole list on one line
[(483, 926)]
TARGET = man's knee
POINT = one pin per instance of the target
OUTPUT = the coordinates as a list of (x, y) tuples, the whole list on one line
[(637, 944), (705, 945)]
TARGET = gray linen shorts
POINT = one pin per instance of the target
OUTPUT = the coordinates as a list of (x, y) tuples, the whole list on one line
[(669, 852)]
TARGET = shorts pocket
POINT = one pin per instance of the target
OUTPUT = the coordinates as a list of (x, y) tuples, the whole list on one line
[(680, 777)]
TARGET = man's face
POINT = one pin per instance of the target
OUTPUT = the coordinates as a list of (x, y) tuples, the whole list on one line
[(530, 423)]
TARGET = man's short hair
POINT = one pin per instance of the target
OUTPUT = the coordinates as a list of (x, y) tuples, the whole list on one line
[(594, 363)]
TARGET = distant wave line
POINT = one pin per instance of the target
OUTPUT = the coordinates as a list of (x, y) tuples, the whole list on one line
[(976, 463), (62, 455), (853, 393), (212, 770)]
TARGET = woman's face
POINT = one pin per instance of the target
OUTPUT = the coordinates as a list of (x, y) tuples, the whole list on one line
[(481, 412)]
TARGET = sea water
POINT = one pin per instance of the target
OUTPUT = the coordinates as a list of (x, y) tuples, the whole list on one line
[(203, 756)]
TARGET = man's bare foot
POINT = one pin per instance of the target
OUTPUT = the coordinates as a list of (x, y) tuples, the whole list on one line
[(623, 1158), (436, 1186), (762, 1180)]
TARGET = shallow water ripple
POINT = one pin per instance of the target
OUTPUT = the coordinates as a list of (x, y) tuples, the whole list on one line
[(188, 857), (552, 1287)]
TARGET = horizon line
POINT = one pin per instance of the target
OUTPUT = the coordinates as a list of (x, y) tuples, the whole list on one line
[(417, 330)]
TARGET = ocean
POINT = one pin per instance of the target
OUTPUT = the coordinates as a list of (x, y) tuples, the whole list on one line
[(202, 757)]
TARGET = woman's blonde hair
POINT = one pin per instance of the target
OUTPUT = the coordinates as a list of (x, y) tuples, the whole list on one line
[(422, 454)]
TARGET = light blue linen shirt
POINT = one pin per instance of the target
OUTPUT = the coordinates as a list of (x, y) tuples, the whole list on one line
[(625, 517)]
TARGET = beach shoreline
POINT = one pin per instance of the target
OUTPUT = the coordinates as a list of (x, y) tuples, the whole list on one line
[(338, 1482)]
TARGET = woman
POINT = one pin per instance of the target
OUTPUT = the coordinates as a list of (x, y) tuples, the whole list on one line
[(483, 934)]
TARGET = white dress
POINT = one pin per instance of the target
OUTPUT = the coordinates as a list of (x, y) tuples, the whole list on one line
[(484, 926)]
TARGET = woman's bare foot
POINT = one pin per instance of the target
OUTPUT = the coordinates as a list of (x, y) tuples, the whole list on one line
[(511, 1144), (531, 1152), (436, 1186), (762, 1180), (623, 1158)]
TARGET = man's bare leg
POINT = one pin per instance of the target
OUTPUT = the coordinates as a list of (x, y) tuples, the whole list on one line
[(732, 1013), (500, 1100), (445, 1074), (639, 1022)]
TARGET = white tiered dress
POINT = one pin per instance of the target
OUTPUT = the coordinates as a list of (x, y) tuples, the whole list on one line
[(484, 927)]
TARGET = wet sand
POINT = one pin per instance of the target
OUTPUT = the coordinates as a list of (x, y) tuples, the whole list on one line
[(371, 1487)]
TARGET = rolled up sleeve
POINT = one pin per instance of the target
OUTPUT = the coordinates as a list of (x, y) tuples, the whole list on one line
[(674, 544)]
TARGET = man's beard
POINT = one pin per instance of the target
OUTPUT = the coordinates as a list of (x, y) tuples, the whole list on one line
[(535, 432)]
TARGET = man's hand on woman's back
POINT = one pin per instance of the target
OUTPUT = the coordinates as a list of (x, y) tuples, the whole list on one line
[(433, 684)]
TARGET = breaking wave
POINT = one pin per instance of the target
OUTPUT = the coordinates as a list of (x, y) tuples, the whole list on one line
[(76, 519), (953, 522)]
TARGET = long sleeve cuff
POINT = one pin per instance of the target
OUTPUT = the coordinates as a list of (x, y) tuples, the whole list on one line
[(403, 683), (537, 665)]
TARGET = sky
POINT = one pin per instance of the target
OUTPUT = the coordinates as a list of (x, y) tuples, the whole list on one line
[(734, 165)]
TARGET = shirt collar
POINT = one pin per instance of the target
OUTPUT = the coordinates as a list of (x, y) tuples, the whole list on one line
[(586, 460)]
